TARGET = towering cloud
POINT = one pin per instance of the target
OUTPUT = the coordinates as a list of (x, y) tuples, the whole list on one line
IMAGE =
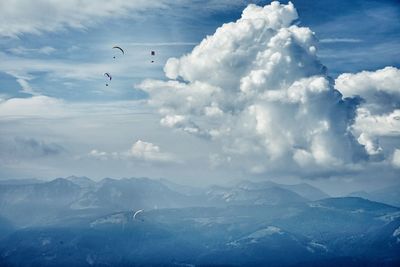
[(257, 89)]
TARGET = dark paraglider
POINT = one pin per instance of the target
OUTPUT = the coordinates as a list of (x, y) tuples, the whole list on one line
[(108, 76), (120, 49)]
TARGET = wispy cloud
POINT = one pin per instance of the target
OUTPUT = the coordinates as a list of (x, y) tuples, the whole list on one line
[(21, 16), (26, 69), (23, 147), (163, 44), (26, 87), (45, 107), (21, 50), (140, 151), (340, 40)]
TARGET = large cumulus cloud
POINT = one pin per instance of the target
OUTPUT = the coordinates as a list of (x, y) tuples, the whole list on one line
[(257, 89)]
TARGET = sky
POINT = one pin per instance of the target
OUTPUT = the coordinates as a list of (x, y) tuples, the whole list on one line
[(300, 91)]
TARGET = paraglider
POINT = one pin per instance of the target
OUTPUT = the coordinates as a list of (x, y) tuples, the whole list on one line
[(153, 53), (136, 215), (108, 76), (120, 49)]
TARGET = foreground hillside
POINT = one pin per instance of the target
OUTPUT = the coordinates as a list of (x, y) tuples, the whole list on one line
[(77, 222)]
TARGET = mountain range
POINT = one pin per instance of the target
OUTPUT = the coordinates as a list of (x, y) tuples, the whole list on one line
[(75, 221), (37, 202), (389, 195)]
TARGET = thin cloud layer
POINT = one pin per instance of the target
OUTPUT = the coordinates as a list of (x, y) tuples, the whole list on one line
[(19, 17), (20, 50), (140, 151), (27, 148), (258, 90), (24, 16), (35, 106)]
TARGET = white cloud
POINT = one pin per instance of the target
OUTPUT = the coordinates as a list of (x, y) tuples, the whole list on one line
[(387, 124), (100, 155), (380, 89), (379, 114), (149, 152), (396, 158), (371, 145), (20, 50), (23, 79), (26, 87), (45, 107), (35, 106), (257, 89), (140, 150), (172, 120), (340, 40)]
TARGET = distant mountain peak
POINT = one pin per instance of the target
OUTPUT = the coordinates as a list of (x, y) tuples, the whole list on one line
[(81, 181), (303, 189), (388, 195)]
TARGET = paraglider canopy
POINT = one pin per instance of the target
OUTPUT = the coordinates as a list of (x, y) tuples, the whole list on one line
[(108, 76), (136, 214), (120, 49)]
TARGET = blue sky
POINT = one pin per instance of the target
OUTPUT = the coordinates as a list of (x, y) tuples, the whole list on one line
[(356, 35), (54, 55)]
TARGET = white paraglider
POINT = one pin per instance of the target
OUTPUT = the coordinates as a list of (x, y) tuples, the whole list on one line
[(136, 215)]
